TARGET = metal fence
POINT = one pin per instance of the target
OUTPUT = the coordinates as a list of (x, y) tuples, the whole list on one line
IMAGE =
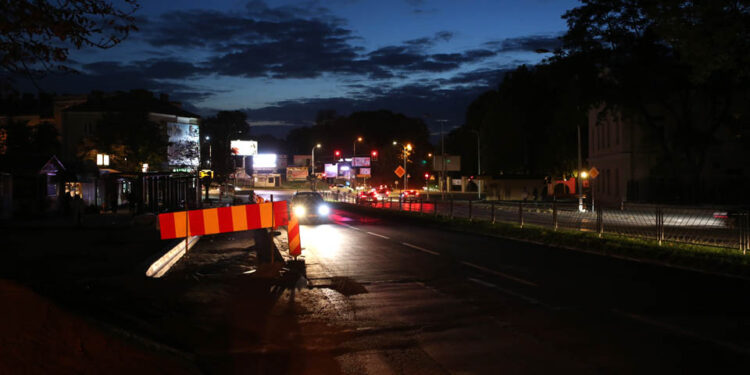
[(691, 225)]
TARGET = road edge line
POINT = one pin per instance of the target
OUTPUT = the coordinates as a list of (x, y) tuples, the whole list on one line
[(501, 274), (415, 247)]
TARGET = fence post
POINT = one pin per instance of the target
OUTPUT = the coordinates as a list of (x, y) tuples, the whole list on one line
[(744, 228), (492, 211), (554, 215), (520, 214), (421, 203), (599, 221), (659, 228), (470, 213), (451, 211)]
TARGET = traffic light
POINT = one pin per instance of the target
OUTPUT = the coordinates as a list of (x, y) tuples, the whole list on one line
[(374, 154), (427, 175), (337, 153)]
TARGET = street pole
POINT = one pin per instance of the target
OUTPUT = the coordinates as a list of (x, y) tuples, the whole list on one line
[(312, 164), (578, 175), (404, 147), (479, 165), (443, 187)]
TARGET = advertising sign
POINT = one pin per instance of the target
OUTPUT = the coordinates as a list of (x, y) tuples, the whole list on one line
[(244, 148), (296, 173), (364, 172), (345, 170), (361, 162), (264, 161), (332, 170), (183, 149)]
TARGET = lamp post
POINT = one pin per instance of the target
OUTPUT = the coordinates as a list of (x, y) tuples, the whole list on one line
[(208, 139), (406, 148), (354, 154), (312, 164), (578, 178), (479, 164)]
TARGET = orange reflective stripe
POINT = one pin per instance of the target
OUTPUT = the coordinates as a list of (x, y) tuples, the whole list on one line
[(295, 247), (266, 211), (179, 224), (211, 220), (239, 218)]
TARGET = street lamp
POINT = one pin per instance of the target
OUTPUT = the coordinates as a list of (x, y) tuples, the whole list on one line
[(354, 154), (208, 139), (479, 164), (406, 148), (312, 164)]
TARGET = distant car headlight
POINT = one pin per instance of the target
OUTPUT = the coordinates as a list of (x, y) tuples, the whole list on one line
[(323, 210), (299, 211)]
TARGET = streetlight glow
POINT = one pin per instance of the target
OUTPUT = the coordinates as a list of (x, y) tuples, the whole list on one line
[(318, 145), (584, 175), (408, 146)]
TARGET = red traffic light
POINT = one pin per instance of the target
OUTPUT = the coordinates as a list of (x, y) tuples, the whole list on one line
[(374, 153), (337, 153), (426, 176)]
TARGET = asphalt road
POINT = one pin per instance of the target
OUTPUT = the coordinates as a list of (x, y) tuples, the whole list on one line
[(419, 300)]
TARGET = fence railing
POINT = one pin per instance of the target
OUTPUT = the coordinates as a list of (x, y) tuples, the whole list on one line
[(699, 226)]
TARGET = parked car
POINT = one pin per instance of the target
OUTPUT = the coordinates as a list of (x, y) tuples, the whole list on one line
[(410, 195), (310, 207)]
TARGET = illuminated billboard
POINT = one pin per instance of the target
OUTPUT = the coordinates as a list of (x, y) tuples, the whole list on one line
[(183, 150), (244, 148), (264, 161), (361, 162), (296, 173), (332, 170), (364, 172)]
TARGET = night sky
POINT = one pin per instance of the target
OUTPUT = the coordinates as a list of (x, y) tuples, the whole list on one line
[(282, 61)]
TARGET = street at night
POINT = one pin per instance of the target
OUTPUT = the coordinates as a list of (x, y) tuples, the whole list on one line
[(374, 187)]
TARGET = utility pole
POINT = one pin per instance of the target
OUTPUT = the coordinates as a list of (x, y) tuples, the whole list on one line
[(443, 183), (578, 175)]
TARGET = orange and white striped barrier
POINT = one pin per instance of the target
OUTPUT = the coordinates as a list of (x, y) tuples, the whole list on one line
[(295, 245), (223, 219)]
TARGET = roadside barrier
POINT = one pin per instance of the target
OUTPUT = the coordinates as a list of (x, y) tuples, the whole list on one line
[(719, 227), (223, 219)]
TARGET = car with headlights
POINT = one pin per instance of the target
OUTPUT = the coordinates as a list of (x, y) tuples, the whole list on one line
[(309, 206), (410, 195), (341, 188), (368, 196)]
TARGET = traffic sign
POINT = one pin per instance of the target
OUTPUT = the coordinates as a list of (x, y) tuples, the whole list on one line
[(593, 172), (399, 171)]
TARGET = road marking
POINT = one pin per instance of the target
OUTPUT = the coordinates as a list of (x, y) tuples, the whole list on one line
[(682, 331), (415, 247), (498, 273), (350, 226), (378, 235), (526, 298)]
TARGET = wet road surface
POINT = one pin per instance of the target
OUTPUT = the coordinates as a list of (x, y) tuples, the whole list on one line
[(419, 300)]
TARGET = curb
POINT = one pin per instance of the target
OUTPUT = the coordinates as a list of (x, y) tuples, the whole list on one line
[(163, 264)]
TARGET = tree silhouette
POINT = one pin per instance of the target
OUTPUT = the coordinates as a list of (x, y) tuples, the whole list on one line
[(37, 35)]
